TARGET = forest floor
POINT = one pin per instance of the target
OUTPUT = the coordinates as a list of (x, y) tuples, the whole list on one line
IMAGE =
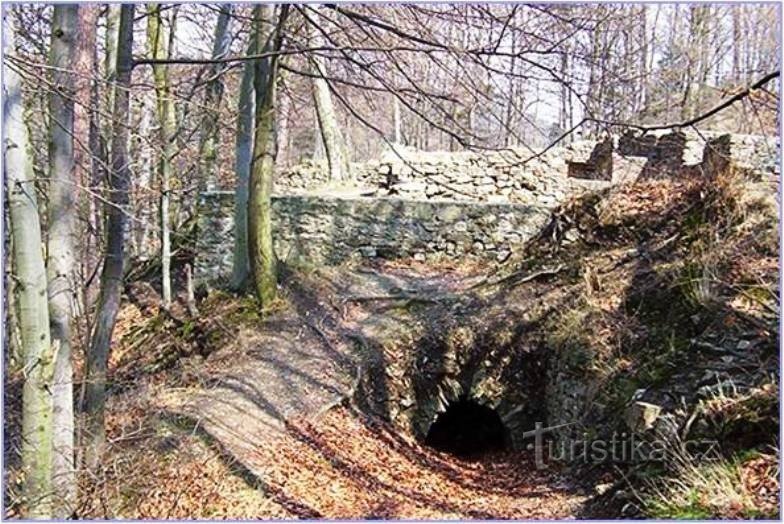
[(262, 425), (669, 286)]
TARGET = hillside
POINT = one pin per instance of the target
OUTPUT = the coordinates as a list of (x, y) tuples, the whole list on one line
[(648, 309)]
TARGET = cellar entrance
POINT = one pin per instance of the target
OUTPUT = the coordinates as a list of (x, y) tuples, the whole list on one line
[(467, 429)]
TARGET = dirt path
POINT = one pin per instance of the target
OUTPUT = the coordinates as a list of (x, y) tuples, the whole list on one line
[(343, 465), (278, 400)]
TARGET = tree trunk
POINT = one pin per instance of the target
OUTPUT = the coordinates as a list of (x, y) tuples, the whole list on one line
[(335, 147), (643, 60), (736, 43), (208, 150), (263, 263), (398, 123), (60, 264), (563, 116), (110, 62), (38, 352), (144, 179), (283, 127), (112, 274), (86, 154), (167, 124), (243, 152)]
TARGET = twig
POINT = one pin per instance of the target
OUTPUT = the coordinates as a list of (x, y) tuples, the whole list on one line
[(400, 296), (527, 278)]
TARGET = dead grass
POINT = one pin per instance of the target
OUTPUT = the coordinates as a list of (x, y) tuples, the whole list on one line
[(737, 488)]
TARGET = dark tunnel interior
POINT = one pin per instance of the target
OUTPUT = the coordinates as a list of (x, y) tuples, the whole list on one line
[(467, 429)]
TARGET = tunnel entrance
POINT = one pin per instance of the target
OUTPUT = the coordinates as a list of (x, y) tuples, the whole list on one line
[(467, 429)]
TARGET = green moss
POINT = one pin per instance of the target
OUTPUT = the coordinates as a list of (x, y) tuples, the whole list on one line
[(187, 328), (247, 311), (618, 392), (693, 510), (577, 356)]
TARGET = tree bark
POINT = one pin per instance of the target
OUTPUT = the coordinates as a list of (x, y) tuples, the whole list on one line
[(334, 145), (61, 243), (156, 42), (112, 274), (208, 150), (243, 155), (87, 151), (642, 100), (110, 63), (736, 42), (38, 352), (397, 121), (141, 151), (262, 254)]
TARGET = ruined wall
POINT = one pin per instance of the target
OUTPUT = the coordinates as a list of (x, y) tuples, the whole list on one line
[(667, 152), (514, 175), (442, 204), (331, 230), (496, 176)]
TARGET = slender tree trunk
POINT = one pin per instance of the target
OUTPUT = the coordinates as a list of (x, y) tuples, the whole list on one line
[(564, 91), (112, 274), (508, 131), (263, 263), (243, 155), (736, 42), (39, 354), (110, 62), (593, 94), (283, 129), (398, 123), (208, 150), (692, 63), (643, 60), (60, 264), (652, 56), (156, 42), (89, 159), (334, 145), (145, 170), (86, 148)]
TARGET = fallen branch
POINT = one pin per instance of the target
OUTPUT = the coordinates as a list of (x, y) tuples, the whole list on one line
[(523, 280), (399, 296)]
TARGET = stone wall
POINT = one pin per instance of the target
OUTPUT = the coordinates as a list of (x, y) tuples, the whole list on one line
[(496, 176), (330, 230), (514, 175), (666, 152), (452, 204)]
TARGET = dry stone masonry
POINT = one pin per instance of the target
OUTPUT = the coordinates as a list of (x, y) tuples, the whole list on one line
[(430, 205), (333, 229)]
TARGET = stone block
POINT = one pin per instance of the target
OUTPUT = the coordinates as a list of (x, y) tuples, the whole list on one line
[(642, 416)]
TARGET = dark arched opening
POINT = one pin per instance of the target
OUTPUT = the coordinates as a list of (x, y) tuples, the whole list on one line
[(467, 429)]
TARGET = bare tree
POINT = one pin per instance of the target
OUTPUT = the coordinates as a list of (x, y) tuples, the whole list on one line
[(268, 21), (112, 275), (62, 242), (39, 353), (242, 166), (214, 95), (334, 144), (156, 42)]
